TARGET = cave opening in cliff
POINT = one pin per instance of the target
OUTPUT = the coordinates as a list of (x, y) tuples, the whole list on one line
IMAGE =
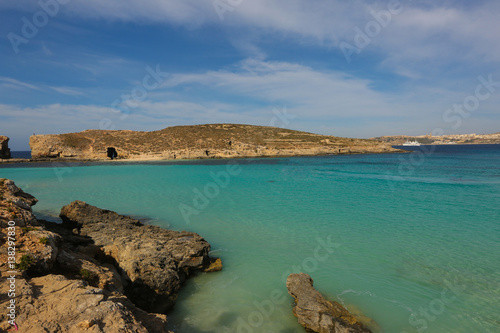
[(112, 153)]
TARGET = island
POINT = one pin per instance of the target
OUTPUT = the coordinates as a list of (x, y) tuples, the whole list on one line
[(197, 142)]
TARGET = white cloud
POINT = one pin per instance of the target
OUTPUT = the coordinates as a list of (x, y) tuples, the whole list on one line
[(315, 93), (7, 82), (423, 31), (67, 91)]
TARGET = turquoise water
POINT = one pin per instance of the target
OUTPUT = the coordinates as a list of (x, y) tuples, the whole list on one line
[(411, 241)]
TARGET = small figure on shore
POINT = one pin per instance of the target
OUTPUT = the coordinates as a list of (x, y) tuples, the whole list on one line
[(206, 152)]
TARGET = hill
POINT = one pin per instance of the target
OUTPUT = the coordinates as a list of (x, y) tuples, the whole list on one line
[(198, 141)]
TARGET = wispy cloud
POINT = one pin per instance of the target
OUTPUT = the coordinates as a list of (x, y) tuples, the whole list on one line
[(7, 82), (67, 91)]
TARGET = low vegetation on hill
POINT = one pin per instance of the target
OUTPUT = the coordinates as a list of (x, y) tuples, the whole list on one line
[(198, 141)]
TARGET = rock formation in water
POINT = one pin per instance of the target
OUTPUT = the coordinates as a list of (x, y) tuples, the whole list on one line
[(96, 272), (316, 313), (200, 141), (153, 261), (4, 147)]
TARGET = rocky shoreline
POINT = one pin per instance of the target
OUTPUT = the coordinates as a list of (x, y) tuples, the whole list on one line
[(97, 271)]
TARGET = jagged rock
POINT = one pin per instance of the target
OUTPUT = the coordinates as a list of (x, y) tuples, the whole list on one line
[(316, 313), (53, 303), (17, 204), (154, 261), (103, 276), (215, 265), (43, 247), (65, 281), (4, 147)]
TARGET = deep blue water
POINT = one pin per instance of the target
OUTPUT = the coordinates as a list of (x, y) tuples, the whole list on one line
[(21, 154), (410, 240)]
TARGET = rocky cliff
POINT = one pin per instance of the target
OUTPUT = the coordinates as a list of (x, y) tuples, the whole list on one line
[(201, 141), (4, 147), (98, 271)]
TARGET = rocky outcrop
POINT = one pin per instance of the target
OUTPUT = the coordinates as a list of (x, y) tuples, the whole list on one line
[(153, 261), (4, 147), (16, 204), (63, 146), (54, 303), (96, 272), (200, 141), (316, 313)]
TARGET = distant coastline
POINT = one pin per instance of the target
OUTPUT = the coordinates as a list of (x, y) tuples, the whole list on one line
[(430, 139)]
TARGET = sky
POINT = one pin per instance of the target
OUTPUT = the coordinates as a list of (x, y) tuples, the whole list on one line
[(353, 68)]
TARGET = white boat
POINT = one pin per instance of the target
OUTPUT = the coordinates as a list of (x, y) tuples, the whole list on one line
[(411, 143)]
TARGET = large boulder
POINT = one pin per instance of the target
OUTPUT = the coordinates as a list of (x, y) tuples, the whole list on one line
[(4, 147), (154, 262), (316, 313)]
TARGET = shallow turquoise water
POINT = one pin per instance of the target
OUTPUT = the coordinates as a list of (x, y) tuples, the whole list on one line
[(412, 241)]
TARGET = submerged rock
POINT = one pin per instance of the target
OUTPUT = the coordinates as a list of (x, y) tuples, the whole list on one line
[(316, 313), (154, 262)]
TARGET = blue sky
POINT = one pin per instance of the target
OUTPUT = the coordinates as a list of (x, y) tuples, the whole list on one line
[(347, 68)]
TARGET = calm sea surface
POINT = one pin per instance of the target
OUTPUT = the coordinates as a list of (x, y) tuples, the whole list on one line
[(21, 154), (409, 240)]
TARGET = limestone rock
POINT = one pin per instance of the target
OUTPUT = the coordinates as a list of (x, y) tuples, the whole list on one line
[(4, 147), (62, 145), (69, 281), (53, 303), (316, 313), (17, 204), (42, 246), (153, 261), (215, 265)]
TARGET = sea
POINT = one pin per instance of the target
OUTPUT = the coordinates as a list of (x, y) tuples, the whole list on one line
[(21, 154), (410, 242)]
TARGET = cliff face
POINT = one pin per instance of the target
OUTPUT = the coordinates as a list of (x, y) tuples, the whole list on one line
[(98, 271), (4, 147), (201, 141)]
